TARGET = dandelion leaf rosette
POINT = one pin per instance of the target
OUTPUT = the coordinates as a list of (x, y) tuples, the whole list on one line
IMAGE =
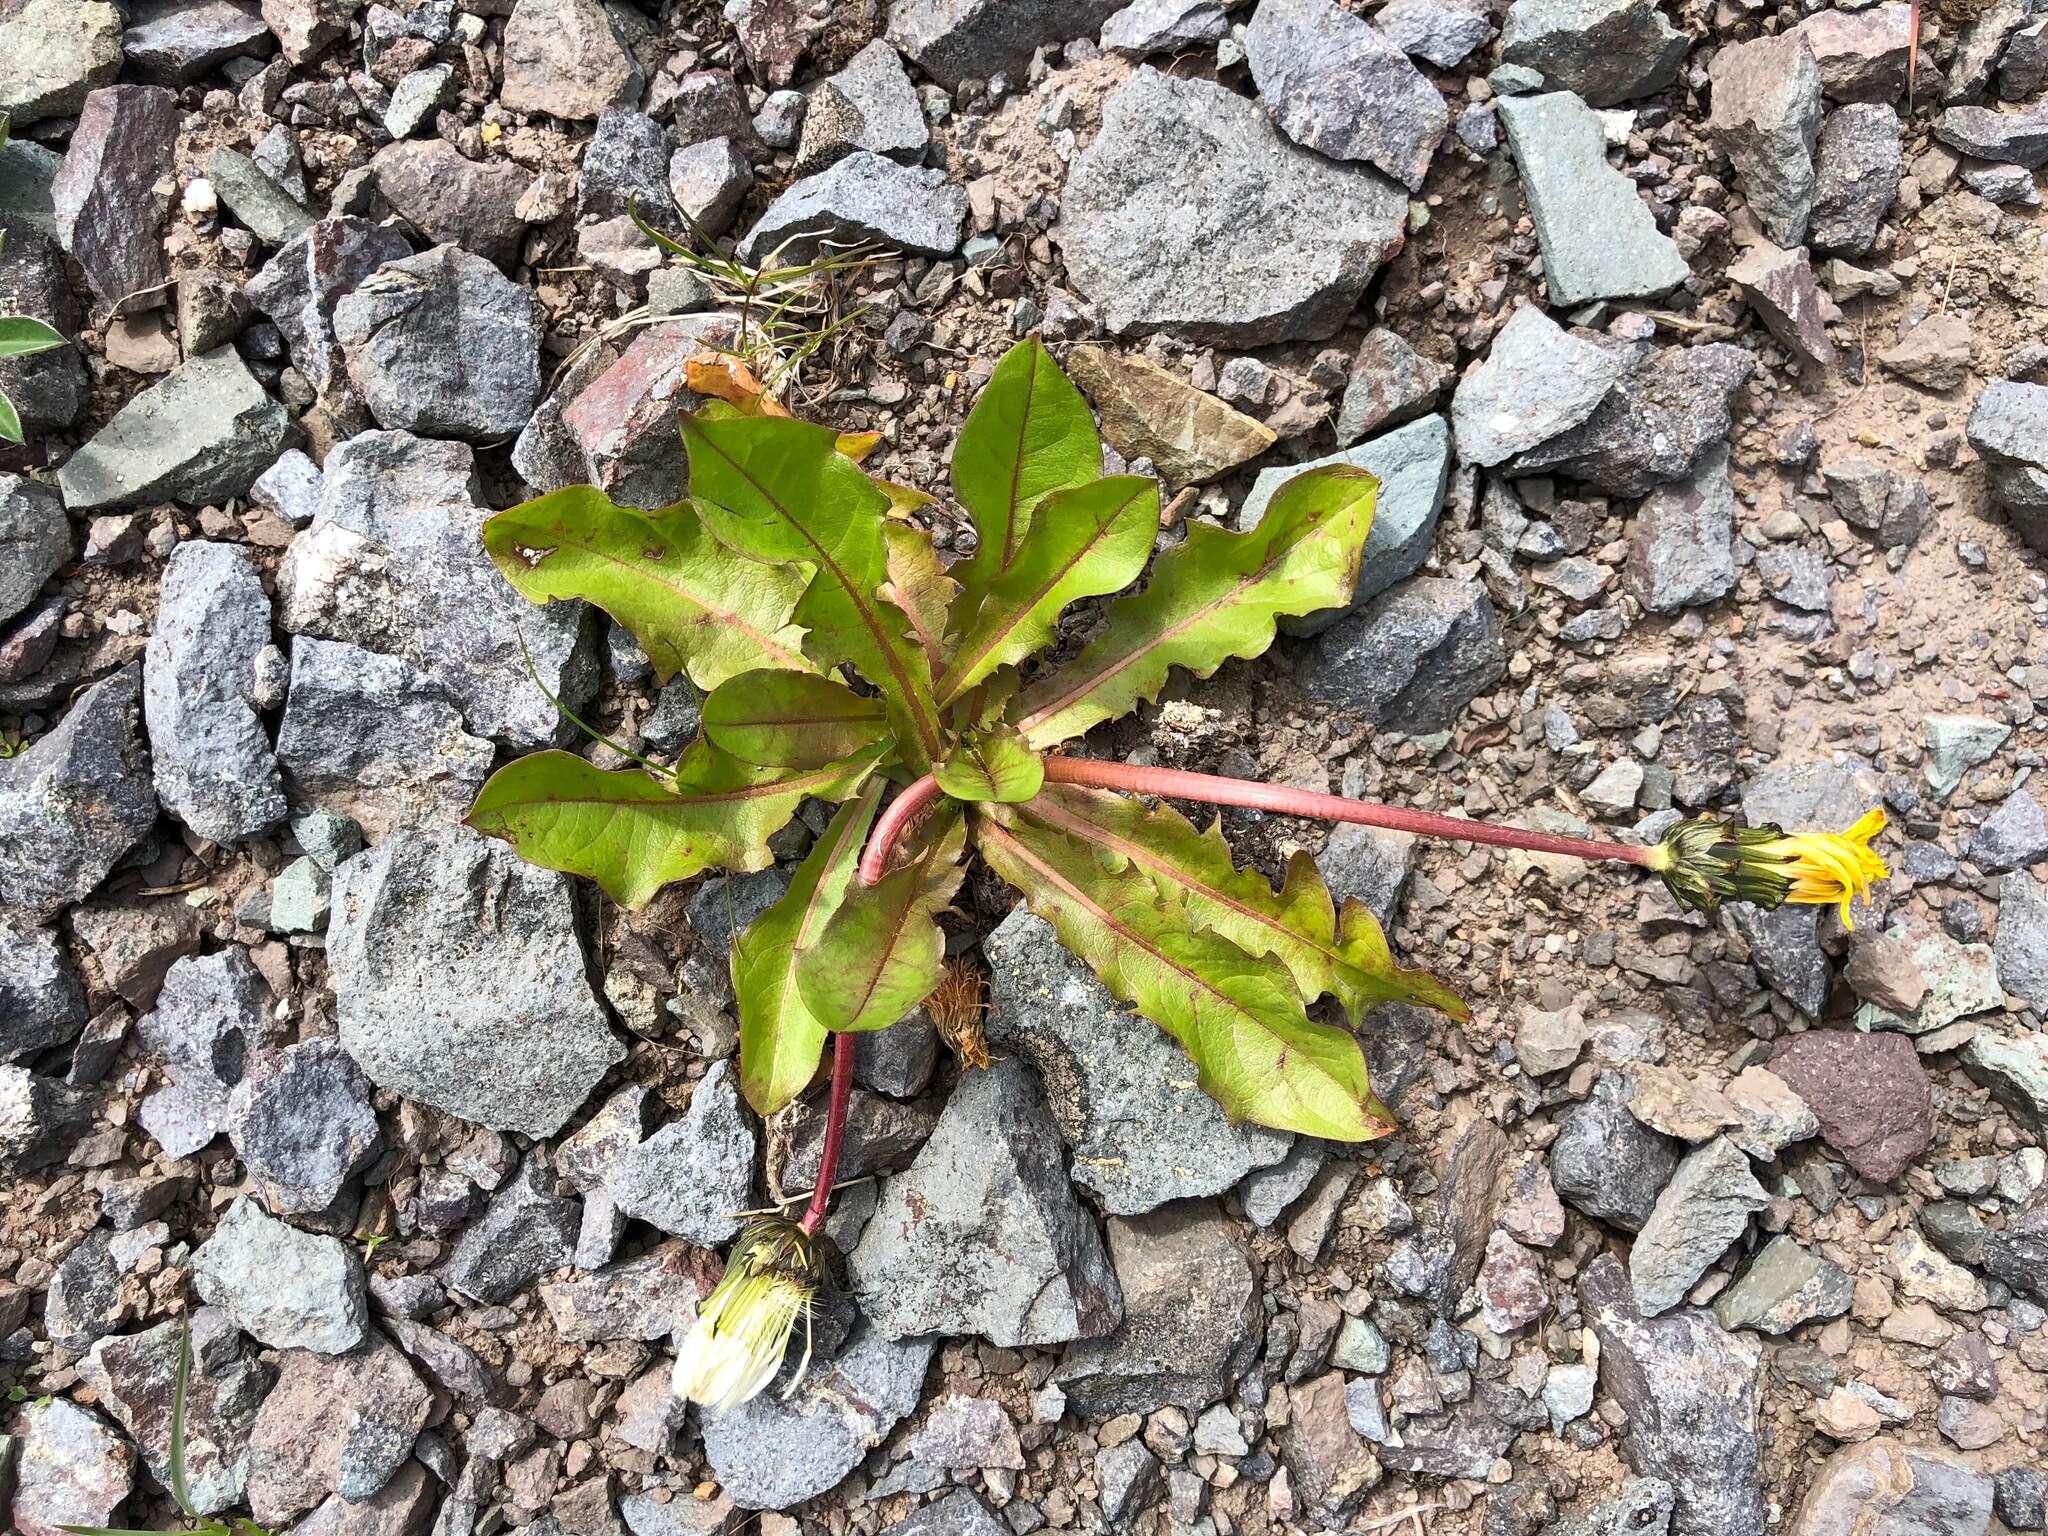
[(838, 654)]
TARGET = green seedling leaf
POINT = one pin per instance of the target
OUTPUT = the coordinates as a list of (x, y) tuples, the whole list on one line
[(792, 720), (781, 1040), (694, 605), (778, 489), (24, 336), (10, 419), (991, 765), (1326, 949), (1238, 1016), (633, 833), (1084, 541), (1219, 595), (1029, 434), (882, 952), (181, 1386)]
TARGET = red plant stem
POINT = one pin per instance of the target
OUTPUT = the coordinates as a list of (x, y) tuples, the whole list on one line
[(843, 1048), (1177, 784)]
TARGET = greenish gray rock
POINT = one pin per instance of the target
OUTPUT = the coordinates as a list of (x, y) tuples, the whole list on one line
[(1785, 1285), (199, 436), (285, 1288), (1271, 241), (35, 541), (1599, 238), (2009, 428), (1413, 464), (52, 52), (695, 1176), (870, 105), (1412, 658), (255, 201), (2015, 1068), (1538, 381), (1603, 51), (1956, 744)]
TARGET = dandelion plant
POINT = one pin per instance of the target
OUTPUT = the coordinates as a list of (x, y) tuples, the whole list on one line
[(842, 660)]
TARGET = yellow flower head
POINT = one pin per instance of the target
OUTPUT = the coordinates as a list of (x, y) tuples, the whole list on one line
[(743, 1329), (1707, 860)]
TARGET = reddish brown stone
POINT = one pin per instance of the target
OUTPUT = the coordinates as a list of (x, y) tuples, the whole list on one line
[(1869, 1092)]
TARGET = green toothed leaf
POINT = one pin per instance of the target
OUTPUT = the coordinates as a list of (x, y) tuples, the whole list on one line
[(1341, 952), (1028, 435), (920, 587), (780, 1038), (792, 720), (1217, 596), (695, 606), (1085, 541), (882, 952), (1238, 1016), (634, 833), (779, 490), (991, 765)]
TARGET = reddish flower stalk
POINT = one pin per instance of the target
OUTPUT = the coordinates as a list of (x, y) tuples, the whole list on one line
[(1176, 784)]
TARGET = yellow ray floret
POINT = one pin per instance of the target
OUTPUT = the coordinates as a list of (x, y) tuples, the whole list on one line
[(1827, 868)]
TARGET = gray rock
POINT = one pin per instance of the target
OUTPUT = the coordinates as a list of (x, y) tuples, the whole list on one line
[(1599, 238), (1190, 1317), (1781, 289), (1128, 1481), (2011, 837), (35, 540), (2020, 1498), (898, 1060), (300, 286), (1682, 543), (571, 59), (76, 800), (1603, 51), (862, 197), (1608, 1164), (1444, 32), (645, 1298), (261, 206), (54, 53), (709, 104), (1881, 1485), (136, 1379), (1856, 171), (779, 1450), (41, 1002), (869, 105), (1785, 949), (214, 767), (2003, 184), (394, 563), (2009, 138), (105, 197), (1642, 1508), (453, 200), (1413, 464), (1701, 1212), (1861, 54), (334, 1425), (709, 181), (49, 389), (695, 1176), (983, 1233), (1538, 381), (1690, 1391), (1334, 85), (211, 1014), (625, 167), (967, 1434), (369, 737), (523, 1233), (1668, 410), (1766, 120), (443, 344), (955, 40), (2009, 427), (1164, 26), (302, 1123), (880, 1135), (40, 1120), (1880, 501), (2015, 1068), (1412, 658), (459, 981), (1785, 1285), (199, 436), (84, 1302), (172, 42), (958, 1513), (286, 1288), (69, 1467), (1273, 242), (416, 98), (1391, 384)]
